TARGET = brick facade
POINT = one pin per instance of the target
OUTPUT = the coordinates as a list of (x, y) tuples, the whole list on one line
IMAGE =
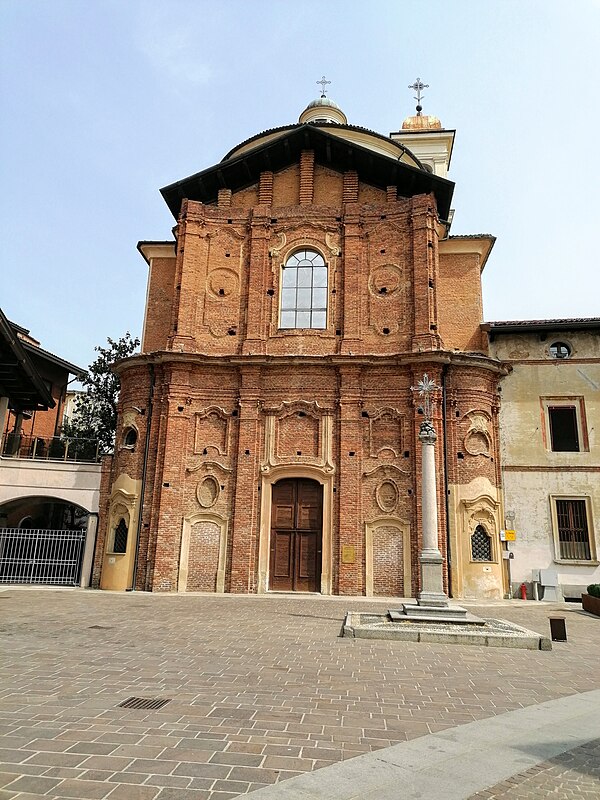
[(230, 402)]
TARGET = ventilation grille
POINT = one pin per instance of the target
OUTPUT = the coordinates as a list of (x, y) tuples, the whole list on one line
[(145, 702)]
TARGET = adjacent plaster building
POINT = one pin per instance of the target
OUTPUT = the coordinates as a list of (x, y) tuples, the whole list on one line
[(267, 435), (550, 449)]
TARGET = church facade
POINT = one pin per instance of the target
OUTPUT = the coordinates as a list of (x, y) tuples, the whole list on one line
[(268, 430)]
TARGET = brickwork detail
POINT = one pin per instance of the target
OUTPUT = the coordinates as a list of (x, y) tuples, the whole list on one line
[(203, 559), (388, 561)]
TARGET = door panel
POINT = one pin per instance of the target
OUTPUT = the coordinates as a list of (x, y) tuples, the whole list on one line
[(296, 535)]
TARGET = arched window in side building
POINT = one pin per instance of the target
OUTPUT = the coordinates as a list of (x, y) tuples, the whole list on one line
[(481, 545), (304, 291)]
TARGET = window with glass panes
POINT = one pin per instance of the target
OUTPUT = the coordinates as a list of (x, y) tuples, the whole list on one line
[(304, 291)]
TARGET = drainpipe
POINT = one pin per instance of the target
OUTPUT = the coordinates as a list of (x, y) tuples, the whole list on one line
[(144, 472), (444, 427)]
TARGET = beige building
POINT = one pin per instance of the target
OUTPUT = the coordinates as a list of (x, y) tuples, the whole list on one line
[(550, 448)]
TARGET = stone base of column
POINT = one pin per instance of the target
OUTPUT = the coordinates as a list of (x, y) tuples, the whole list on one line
[(432, 580)]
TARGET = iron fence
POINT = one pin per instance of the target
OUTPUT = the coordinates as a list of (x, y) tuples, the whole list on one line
[(41, 555), (51, 448)]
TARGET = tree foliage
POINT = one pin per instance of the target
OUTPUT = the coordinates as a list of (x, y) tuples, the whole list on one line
[(95, 413)]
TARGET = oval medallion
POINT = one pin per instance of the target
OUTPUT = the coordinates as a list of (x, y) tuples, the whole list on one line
[(208, 491), (387, 496)]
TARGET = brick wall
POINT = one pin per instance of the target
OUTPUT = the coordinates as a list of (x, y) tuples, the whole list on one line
[(214, 313)]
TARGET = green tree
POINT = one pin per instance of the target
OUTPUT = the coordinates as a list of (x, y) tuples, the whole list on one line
[(95, 414)]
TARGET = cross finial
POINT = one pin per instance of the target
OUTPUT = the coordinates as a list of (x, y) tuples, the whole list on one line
[(418, 86), (323, 83)]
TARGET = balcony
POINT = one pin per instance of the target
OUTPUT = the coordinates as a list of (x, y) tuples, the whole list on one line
[(52, 448)]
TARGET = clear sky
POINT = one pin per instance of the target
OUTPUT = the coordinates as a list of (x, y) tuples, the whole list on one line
[(106, 101)]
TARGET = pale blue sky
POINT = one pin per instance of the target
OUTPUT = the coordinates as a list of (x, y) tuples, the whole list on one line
[(105, 101)]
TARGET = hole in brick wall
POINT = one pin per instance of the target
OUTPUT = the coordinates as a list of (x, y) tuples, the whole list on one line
[(146, 524), (234, 413), (457, 413), (338, 219), (492, 460), (273, 220), (383, 290), (365, 414), (179, 408), (352, 453), (382, 251), (222, 486), (338, 332), (178, 286), (433, 327), (231, 332), (334, 490), (430, 283), (301, 414), (205, 452), (166, 485), (227, 255), (386, 331), (229, 221), (175, 328), (333, 291), (247, 452), (221, 292), (298, 452), (460, 455), (410, 491), (270, 292), (383, 216), (407, 454), (429, 244)]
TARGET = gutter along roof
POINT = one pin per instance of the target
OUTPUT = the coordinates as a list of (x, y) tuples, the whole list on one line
[(331, 151)]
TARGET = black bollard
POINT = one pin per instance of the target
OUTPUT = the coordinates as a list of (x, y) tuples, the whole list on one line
[(558, 629)]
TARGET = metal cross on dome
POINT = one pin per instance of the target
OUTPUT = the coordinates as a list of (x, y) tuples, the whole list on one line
[(323, 83), (418, 86), (425, 388)]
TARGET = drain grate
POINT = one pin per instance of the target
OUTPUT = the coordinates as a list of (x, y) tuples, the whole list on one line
[(145, 702)]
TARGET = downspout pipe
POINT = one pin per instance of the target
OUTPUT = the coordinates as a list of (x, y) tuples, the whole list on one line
[(447, 504), (144, 474)]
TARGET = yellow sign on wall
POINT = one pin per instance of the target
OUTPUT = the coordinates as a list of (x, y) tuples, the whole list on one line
[(348, 554), (508, 536)]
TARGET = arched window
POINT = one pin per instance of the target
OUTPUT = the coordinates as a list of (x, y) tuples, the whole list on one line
[(304, 291), (130, 437), (120, 538), (481, 545)]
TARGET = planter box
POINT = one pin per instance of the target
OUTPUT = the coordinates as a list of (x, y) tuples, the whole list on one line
[(591, 604)]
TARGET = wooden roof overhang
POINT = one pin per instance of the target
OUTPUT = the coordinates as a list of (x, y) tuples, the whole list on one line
[(331, 151), (19, 379)]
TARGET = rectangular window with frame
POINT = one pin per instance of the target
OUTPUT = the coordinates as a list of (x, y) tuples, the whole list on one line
[(564, 424), (572, 529)]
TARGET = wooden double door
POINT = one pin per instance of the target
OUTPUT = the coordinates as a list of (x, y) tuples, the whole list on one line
[(296, 535)]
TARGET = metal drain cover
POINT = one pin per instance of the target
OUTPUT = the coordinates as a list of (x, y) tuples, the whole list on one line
[(145, 702)]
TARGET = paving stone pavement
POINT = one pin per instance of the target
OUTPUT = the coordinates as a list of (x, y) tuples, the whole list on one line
[(261, 689), (574, 774)]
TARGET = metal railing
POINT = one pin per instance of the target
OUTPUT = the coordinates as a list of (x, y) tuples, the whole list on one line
[(41, 555), (51, 448)]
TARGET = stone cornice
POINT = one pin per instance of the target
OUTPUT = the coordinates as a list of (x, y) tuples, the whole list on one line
[(442, 357)]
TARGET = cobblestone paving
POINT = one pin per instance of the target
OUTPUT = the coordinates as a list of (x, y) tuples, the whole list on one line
[(261, 689), (574, 774)]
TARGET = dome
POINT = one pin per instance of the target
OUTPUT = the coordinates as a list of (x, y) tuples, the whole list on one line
[(323, 110)]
